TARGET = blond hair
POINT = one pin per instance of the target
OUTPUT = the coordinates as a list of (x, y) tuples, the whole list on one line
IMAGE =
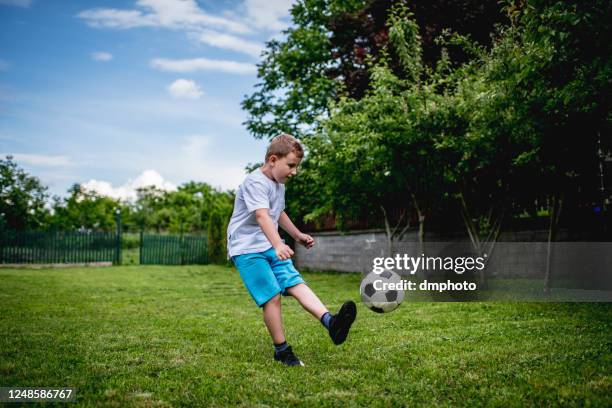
[(282, 145)]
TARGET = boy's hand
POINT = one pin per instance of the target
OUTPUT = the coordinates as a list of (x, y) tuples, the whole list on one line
[(283, 251), (305, 240)]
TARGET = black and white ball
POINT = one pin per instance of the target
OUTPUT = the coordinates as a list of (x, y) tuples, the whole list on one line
[(383, 299)]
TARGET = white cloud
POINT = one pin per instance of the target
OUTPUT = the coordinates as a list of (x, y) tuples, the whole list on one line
[(101, 56), (185, 88), (40, 160), (114, 18), (251, 16), (229, 42), (203, 64), (128, 190), (268, 14), (18, 3), (198, 158), (177, 14), (195, 145), (216, 159)]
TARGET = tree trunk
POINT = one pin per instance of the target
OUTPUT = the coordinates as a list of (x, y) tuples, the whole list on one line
[(487, 245), (421, 233), (421, 217), (555, 211), (469, 224), (388, 232)]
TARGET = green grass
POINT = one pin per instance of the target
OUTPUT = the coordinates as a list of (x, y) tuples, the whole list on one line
[(191, 336), (130, 256)]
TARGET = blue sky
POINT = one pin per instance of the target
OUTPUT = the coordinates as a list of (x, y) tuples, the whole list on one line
[(121, 94)]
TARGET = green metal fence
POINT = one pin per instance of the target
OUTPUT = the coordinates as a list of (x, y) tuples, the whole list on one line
[(173, 249), (58, 247)]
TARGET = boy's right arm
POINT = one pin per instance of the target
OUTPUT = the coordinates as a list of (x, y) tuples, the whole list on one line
[(283, 251)]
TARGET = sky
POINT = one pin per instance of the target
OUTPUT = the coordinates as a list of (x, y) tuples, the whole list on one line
[(116, 95)]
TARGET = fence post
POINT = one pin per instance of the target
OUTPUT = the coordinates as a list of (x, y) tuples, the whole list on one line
[(118, 243), (141, 245), (181, 247), (2, 244)]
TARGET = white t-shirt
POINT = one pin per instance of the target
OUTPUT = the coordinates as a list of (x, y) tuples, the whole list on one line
[(244, 235)]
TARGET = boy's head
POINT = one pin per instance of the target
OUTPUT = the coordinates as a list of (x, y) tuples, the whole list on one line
[(283, 144), (283, 156)]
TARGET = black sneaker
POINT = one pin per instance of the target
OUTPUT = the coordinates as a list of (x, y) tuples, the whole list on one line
[(287, 357), (340, 324)]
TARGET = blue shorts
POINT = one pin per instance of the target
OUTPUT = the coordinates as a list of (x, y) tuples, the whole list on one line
[(265, 276)]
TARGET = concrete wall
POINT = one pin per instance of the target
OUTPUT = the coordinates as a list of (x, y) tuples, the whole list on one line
[(516, 254), (352, 252)]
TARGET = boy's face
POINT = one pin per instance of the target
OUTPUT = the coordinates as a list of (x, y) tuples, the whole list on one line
[(284, 168)]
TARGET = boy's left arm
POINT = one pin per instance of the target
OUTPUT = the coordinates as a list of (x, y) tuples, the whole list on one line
[(286, 224)]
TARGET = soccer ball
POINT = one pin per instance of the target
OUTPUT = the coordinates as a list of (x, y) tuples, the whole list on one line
[(381, 300)]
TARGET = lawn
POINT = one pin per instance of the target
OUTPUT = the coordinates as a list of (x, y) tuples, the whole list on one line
[(191, 336)]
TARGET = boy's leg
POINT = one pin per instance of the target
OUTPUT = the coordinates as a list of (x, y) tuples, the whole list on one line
[(259, 279), (309, 301), (338, 325), (288, 277), (274, 323), (273, 319)]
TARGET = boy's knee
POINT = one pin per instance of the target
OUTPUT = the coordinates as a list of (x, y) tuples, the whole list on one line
[(274, 300), (294, 288)]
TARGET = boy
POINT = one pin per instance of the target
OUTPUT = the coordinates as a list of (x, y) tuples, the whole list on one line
[(263, 259)]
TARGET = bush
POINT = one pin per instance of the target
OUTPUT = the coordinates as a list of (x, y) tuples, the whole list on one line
[(217, 226), (130, 241)]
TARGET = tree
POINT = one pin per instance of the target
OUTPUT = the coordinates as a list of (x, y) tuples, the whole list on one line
[(377, 154), (529, 113), (185, 210), (22, 197), (515, 123), (149, 200), (203, 199), (84, 209), (328, 54), (558, 79), (324, 54)]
